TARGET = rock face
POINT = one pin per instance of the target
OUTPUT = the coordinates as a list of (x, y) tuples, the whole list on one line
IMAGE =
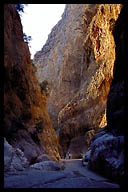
[(58, 60), (106, 156), (106, 152), (14, 159), (78, 60), (115, 101), (76, 148), (27, 125)]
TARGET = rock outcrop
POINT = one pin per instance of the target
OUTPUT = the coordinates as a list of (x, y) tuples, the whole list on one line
[(14, 159), (106, 152), (27, 125), (106, 156), (78, 60)]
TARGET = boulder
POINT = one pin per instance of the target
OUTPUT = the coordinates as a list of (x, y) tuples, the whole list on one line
[(26, 144), (106, 156), (14, 158), (43, 157), (48, 166)]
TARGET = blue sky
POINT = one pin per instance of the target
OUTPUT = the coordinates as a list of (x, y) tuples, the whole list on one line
[(38, 20)]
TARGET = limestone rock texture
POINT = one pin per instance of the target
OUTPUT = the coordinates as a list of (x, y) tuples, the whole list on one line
[(27, 125), (106, 152), (48, 166), (106, 156), (78, 60), (58, 60), (14, 158)]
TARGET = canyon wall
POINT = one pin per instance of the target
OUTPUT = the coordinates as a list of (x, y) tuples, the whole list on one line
[(106, 152), (27, 125), (60, 59), (78, 60), (83, 60)]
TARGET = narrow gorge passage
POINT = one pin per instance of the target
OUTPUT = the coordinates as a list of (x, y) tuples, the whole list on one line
[(64, 110)]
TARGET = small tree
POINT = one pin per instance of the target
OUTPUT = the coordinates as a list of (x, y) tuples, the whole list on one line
[(45, 87), (27, 39), (20, 8)]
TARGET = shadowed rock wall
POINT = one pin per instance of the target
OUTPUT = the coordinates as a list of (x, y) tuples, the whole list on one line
[(26, 122)]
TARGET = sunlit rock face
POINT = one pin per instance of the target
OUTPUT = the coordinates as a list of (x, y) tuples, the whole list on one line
[(106, 152), (78, 60), (27, 125), (60, 60)]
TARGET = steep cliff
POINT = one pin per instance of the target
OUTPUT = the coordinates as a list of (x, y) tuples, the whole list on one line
[(78, 60), (83, 60), (106, 152), (58, 60), (26, 122)]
